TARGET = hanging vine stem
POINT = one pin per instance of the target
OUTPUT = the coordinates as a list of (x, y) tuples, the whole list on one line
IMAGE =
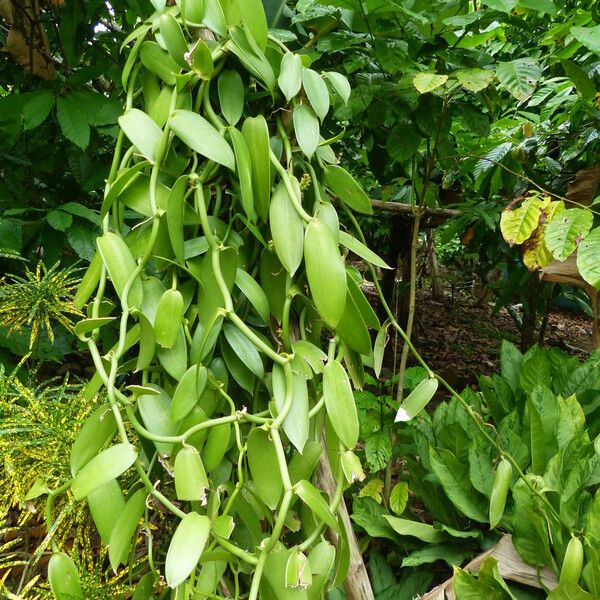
[(477, 420)]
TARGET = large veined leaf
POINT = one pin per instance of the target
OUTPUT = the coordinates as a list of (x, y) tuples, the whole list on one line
[(563, 233), (542, 6), (519, 76), (501, 5), (427, 82), (588, 258), (518, 224), (475, 80), (588, 36), (491, 159)]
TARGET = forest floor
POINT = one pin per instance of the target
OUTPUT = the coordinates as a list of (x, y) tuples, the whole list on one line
[(460, 338)]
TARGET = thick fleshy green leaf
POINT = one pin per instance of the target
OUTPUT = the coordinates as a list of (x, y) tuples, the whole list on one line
[(316, 91), (340, 404), (255, 294), (245, 350), (309, 494), (306, 127), (417, 400), (296, 424), (346, 188), (126, 523), (105, 466), (264, 467), (290, 76), (358, 248), (197, 133), (231, 95), (64, 578), (286, 226), (186, 547)]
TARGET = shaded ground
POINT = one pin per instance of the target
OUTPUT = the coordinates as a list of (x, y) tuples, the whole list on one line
[(461, 339)]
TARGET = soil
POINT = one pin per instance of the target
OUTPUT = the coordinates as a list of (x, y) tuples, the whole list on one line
[(460, 338)]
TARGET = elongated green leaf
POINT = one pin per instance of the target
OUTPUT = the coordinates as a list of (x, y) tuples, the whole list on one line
[(361, 250), (455, 480), (340, 84), (340, 404), (244, 172), (290, 76), (417, 400), (255, 21), (296, 424), (88, 325), (200, 59), (325, 272), (264, 467), (98, 429), (344, 186), (306, 127), (157, 61), (251, 56), (173, 38), (352, 328), (120, 265), (286, 227), (188, 392), (588, 258), (216, 445), (501, 5), (105, 504), (231, 95), (422, 531), (126, 523), (256, 133), (64, 578), (174, 359), (255, 294), (107, 465), (316, 92), (186, 547), (379, 348), (197, 133), (244, 349), (191, 481), (315, 502), (155, 411), (167, 321), (175, 214)]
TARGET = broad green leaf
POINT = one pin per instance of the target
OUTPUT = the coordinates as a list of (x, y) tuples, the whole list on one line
[(501, 5), (306, 127), (542, 6), (36, 108), (399, 497), (290, 76), (565, 230), (422, 531), (454, 478), (64, 578), (352, 329), (216, 445), (251, 56), (519, 77), (200, 60), (122, 181), (346, 188), (105, 466), (264, 467), (173, 37), (186, 547), (588, 258), (585, 86), (316, 91), (167, 321), (73, 120), (325, 272), (417, 400), (126, 523), (569, 591), (197, 133), (517, 224), (588, 36), (174, 359), (175, 217), (231, 95), (340, 404), (475, 80), (154, 410), (307, 492), (427, 82)]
